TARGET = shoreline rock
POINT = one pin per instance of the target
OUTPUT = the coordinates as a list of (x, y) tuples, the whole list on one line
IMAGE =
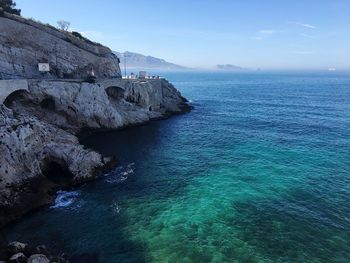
[(39, 132), (17, 252)]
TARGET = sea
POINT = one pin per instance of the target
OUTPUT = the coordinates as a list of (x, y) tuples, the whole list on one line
[(258, 171)]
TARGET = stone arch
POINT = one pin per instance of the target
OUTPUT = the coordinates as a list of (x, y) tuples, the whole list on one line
[(115, 92), (56, 170), (15, 95)]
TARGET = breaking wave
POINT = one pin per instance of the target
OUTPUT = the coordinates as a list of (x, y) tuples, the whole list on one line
[(65, 199)]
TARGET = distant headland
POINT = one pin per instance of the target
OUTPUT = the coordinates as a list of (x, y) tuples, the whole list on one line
[(136, 61), (229, 67)]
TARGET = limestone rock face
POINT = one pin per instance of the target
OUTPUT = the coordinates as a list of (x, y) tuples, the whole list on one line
[(25, 43), (27, 141), (114, 104), (28, 147), (154, 94), (38, 128)]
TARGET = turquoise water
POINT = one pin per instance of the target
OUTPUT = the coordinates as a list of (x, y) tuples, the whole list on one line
[(259, 171)]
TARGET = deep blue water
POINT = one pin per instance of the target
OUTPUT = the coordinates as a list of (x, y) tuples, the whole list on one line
[(259, 171)]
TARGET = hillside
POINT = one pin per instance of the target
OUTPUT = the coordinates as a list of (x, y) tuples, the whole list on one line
[(135, 60), (24, 43)]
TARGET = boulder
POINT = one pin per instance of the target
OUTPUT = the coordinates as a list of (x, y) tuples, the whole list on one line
[(38, 258), (16, 247), (18, 258)]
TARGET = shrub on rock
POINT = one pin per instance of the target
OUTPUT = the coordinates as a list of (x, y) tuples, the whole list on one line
[(9, 7)]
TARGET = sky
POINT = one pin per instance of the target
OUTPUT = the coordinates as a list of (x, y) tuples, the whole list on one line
[(266, 34)]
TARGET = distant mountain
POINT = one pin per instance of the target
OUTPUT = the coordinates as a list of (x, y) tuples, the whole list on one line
[(139, 61), (229, 67)]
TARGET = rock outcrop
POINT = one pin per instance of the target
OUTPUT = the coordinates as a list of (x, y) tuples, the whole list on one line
[(18, 252), (29, 147), (109, 103), (24, 43), (38, 127)]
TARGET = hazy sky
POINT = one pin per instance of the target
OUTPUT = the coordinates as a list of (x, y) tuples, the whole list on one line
[(270, 34)]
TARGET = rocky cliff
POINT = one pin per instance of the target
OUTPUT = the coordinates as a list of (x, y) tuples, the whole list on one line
[(24, 43), (38, 128), (42, 115)]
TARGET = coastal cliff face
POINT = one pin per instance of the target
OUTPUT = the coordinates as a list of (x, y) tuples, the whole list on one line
[(29, 148), (108, 104), (25, 43), (38, 127), (42, 114)]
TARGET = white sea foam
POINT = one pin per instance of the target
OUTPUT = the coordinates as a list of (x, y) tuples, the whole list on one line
[(121, 174), (115, 208), (65, 199)]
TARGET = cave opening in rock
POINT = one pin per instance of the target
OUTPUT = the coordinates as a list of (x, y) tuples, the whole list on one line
[(14, 96), (48, 104), (57, 171), (114, 92)]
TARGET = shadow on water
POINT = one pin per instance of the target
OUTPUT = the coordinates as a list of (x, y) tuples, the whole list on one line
[(92, 229), (151, 148), (126, 143), (142, 146), (60, 237), (60, 229)]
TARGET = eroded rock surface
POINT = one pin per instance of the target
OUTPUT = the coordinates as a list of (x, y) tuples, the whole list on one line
[(28, 146), (38, 131), (24, 43)]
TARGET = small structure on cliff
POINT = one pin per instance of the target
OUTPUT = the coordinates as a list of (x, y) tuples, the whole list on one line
[(44, 67)]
